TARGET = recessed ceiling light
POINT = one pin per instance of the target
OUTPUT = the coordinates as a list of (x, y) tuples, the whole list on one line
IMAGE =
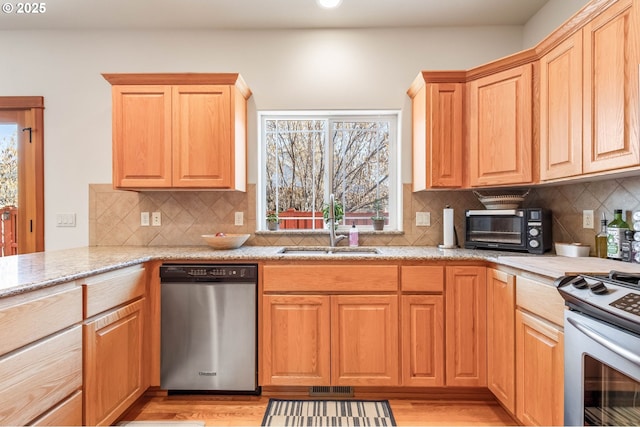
[(329, 4)]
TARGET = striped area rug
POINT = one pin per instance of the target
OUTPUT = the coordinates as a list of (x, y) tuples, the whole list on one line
[(328, 413)]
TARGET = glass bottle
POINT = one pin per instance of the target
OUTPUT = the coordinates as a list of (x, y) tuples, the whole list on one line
[(615, 235), (601, 238)]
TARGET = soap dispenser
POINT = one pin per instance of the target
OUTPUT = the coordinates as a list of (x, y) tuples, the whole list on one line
[(353, 235)]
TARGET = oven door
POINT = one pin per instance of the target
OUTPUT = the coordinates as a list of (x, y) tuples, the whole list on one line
[(501, 229), (602, 373)]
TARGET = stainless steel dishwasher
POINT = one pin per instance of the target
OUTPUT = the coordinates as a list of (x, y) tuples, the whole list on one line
[(208, 327)]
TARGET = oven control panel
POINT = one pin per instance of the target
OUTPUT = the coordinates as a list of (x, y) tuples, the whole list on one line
[(629, 303)]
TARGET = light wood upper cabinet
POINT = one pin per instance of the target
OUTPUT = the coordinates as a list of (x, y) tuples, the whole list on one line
[(466, 330), (179, 130), (501, 348), (589, 97), (438, 123), (611, 58), (500, 128), (561, 110)]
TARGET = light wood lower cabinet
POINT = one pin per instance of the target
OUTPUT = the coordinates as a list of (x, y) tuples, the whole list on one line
[(330, 340), (423, 340), (296, 340), (466, 326), (66, 413), (113, 368), (501, 347), (364, 340), (540, 371)]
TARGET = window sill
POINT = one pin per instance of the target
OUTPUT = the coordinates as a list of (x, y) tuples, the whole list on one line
[(339, 232)]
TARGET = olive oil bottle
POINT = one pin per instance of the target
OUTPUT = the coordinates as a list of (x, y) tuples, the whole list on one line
[(615, 235), (601, 238)]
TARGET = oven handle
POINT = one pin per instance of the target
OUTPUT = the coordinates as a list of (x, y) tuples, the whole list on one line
[(616, 348)]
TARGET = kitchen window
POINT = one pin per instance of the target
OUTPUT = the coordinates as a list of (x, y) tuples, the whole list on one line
[(306, 156)]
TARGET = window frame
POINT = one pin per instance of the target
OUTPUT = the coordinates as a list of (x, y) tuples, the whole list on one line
[(395, 175)]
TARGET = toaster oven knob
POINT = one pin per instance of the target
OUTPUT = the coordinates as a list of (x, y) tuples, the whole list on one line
[(534, 232), (534, 243)]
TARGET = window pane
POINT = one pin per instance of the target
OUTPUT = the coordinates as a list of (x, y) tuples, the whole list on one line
[(296, 171), (361, 168)]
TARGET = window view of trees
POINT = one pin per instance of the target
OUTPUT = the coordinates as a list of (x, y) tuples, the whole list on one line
[(8, 165), (309, 158)]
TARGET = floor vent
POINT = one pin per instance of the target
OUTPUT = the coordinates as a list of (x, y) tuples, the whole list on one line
[(336, 391)]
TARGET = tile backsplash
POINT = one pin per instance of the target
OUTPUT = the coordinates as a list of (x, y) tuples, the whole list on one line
[(114, 215)]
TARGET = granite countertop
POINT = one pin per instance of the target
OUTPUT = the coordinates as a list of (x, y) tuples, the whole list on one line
[(23, 273)]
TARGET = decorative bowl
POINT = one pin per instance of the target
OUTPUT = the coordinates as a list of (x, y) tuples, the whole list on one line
[(507, 201), (226, 241), (572, 249)]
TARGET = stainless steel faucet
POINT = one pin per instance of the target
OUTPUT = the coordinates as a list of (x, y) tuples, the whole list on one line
[(333, 239)]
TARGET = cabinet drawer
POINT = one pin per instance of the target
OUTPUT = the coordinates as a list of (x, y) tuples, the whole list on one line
[(28, 317), (112, 289), (330, 278), (66, 413), (39, 376), (541, 299), (422, 278)]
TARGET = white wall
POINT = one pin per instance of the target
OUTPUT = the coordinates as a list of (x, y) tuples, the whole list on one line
[(319, 69), (551, 16)]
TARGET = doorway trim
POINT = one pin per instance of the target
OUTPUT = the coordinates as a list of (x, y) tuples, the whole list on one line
[(30, 170)]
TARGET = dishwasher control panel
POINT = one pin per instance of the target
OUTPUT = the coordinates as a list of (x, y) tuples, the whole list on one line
[(208, 272)]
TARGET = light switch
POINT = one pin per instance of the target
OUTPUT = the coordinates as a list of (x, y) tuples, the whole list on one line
[(144, 219), (423, 219), (66, 220)]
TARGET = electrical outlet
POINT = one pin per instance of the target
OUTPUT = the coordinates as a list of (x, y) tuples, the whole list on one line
[(423, 219), (144, 219), (156, 219), (239, 218), (587, 219)]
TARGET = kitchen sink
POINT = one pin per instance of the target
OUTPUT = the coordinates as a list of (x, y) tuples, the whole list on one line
[(326, 250)]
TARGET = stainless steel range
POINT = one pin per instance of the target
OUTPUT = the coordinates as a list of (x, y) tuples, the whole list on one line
[(602, 349)]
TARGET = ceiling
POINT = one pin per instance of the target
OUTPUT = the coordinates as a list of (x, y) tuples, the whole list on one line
[(267, 14)]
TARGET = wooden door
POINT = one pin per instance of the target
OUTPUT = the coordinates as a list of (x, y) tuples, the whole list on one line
[(202, 136), (466, 331), (141, 136), (364, 340), (540, 372), (500, 128), (113, 369), (501, 337), (611, 60), (295, 340), (561, 110), (437, 118), (423, 340)]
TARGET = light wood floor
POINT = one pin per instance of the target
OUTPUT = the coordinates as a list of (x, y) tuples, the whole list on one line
[(249, 410)]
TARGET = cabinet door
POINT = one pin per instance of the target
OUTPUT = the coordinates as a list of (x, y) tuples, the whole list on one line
[(202, 136), (540, 372), (141, 136), (561, 110), (466, 331), (501, 337), (364, 340), (295, 340), (437, 136), (113, 368), (500, 132), (422, 340), (611, 89)]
